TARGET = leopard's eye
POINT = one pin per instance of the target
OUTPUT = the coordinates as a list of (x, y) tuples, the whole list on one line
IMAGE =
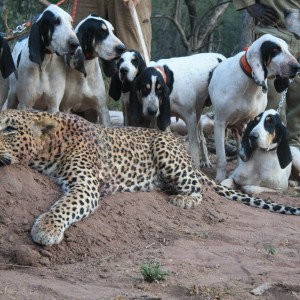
[(9, 129)]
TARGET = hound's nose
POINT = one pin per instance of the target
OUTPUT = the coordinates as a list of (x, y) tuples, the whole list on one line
[(120, 49), (124, 71), (294, 70), (73, 46), (152, 111)]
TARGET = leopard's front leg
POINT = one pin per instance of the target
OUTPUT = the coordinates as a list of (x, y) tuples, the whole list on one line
[(81, 199)]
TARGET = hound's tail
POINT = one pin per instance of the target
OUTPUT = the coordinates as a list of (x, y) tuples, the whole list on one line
[(234, 195)]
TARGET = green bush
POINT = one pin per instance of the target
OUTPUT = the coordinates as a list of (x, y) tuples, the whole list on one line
[(152, 272)]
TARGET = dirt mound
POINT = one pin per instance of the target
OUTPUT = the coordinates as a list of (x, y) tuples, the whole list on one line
[(220, 249), (124, 223)]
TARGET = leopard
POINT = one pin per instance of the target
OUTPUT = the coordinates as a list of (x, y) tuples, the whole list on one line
[(90, 162)]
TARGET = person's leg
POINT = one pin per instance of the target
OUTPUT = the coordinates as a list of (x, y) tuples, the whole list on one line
[(293, 113), (85, 8), (119, 15)]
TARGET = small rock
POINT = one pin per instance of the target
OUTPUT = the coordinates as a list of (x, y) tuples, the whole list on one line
[(6, 221), (10, 238), (45, 261), (26, 256), (25, 222), (45, 253)]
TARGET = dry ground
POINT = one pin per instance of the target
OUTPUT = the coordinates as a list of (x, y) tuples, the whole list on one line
[(219, 250)]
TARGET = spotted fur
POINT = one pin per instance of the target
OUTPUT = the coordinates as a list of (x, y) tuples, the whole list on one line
[(89, 162)]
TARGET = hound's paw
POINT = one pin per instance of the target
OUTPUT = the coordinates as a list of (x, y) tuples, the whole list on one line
[(46, 231), (205, 163), (185, 201)]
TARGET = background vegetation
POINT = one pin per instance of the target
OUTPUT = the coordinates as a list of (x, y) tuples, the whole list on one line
[(225, 37)]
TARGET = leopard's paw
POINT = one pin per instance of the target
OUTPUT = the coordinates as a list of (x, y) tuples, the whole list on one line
[(47, 231), (185, 201)]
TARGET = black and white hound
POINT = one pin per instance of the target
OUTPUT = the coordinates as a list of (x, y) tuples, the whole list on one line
[(239, 84), (41, 71), (7, 67), (83, 93), (130, 65), (186, 79), (265, 158)]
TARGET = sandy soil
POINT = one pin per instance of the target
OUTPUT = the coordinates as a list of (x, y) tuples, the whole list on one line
[(219, 250)]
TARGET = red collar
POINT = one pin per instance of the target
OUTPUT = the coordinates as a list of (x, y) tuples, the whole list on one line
[(162, 72), (245, 66)]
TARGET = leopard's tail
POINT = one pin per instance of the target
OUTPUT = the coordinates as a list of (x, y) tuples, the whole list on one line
[(234, 195)]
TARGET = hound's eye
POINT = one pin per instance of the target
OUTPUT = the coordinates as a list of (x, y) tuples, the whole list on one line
[(268, 120), (9, 129), (133, 59), (144, 88), (276, 50), (56, 22)]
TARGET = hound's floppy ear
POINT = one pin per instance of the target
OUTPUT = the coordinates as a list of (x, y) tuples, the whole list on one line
[(258, 59), (115, 87), (141, 64), (135, 108), (35, 44), (283, 150), (281, 84), (109, 67), (7, 65), (86, 38), (246, 150), (164, 117), (170, 78), (76, 61)]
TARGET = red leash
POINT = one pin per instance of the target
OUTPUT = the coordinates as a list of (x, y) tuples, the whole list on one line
[(74, 10)]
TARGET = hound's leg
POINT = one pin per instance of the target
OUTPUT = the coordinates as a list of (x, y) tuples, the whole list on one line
[(204, 160), (253, 189), (219, 135), (103, 115), (12, 100), (191, 124)]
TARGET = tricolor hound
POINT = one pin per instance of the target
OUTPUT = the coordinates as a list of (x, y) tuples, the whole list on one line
[(41, 71), (265, 158), (83, 93), (130, 65), (179, 87)]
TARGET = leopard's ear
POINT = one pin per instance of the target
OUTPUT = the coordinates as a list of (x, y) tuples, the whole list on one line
[(44, 126)]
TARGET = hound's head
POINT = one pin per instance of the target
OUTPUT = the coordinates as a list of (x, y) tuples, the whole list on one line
[(7, 65), (150, 95), (52, 33), (269, 57), (97, 38), (130, 65), (267, 133), (292, 21)]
